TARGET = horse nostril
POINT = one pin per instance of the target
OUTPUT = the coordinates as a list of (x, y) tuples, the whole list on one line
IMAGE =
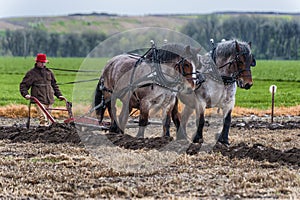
[(248, 86)]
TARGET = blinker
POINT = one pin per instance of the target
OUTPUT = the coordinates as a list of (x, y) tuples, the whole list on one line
[(253, 63)]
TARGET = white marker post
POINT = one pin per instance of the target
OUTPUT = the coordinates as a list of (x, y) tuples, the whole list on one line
[(272, 89)]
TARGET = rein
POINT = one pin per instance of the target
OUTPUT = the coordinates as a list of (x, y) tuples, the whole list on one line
[(180, 65), (81, 81), (72, 70), (159, 77), (228, 80)]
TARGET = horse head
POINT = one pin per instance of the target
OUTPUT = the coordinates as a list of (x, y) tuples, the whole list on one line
[(235, 60), (192, 62), (188, 63), (182, 58), (244, 61)]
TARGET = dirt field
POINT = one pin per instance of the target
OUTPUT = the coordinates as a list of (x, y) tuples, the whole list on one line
[(63, 161)]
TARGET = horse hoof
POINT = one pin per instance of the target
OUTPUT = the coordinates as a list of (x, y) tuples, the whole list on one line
[(224, 142), (116, 130), (140, 136), (167, 134), (200, 141), (181, 138)]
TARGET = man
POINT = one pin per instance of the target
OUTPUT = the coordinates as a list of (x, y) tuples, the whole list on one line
[(43, 86)]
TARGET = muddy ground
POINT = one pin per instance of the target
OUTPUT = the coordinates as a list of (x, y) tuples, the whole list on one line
[(63, 161)]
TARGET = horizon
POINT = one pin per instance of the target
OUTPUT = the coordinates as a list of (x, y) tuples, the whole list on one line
[(34, 8), (93, 13)]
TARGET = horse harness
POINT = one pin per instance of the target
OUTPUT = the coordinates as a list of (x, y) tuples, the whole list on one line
[(158, 78), (228, 80), (156, 65)]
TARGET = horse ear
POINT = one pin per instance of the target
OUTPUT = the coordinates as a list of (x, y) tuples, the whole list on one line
[(188, 49), (237, 46), (250, 43)]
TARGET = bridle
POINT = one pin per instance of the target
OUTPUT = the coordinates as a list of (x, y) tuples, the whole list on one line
[(228, 80), (180, 65)]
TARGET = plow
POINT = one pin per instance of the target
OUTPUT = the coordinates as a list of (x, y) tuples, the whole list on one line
[(82, 122)]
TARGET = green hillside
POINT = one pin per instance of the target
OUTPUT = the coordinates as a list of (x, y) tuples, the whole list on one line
[(275, 36), (107, 24)]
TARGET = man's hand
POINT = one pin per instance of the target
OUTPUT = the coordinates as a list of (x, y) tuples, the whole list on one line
[(62, 98), (27, 96)]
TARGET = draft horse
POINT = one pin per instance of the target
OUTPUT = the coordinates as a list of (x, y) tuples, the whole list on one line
[(145, 82), (231, 67)]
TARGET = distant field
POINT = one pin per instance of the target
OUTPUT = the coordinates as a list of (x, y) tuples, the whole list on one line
[(101, 24), (284, 74)]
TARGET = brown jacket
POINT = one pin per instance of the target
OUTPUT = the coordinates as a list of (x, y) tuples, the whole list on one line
[(42, 83)]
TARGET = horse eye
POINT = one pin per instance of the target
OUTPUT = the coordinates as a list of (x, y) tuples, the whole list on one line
[(240, 61), (253, 63)]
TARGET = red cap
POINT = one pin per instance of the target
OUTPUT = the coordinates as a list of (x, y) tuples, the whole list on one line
[(40, 57)]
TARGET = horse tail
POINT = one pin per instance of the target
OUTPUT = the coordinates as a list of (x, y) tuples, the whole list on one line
[(99, 102)]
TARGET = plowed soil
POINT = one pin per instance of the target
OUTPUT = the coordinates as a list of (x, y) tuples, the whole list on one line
[(54, 162)]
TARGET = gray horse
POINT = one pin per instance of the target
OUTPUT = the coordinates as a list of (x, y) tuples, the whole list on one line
[(227, 67)]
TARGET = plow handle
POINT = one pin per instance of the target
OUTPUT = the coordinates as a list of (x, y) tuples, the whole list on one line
[(43, 109), (28, 119)]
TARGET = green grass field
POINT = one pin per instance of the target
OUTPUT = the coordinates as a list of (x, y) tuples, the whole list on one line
[(284, 74)]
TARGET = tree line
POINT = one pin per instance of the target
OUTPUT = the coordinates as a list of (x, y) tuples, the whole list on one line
[(272, 37), (28, 42)]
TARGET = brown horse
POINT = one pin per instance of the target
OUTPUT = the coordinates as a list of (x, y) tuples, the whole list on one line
[(146, 82), (228, 66)]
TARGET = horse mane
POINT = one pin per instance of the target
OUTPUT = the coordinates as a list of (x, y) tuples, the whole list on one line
[(170, 51), (228, 48), (175, 48)]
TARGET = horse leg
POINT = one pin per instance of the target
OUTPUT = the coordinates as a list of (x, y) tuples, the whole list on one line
[(176, 115), (108, 107), (101, 115), (181, 132), (102, 111), (123, 117), (112, 113), (225, 131), (166, 125), (198, 138), (113, 124), (171, 111), (143, 120)]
